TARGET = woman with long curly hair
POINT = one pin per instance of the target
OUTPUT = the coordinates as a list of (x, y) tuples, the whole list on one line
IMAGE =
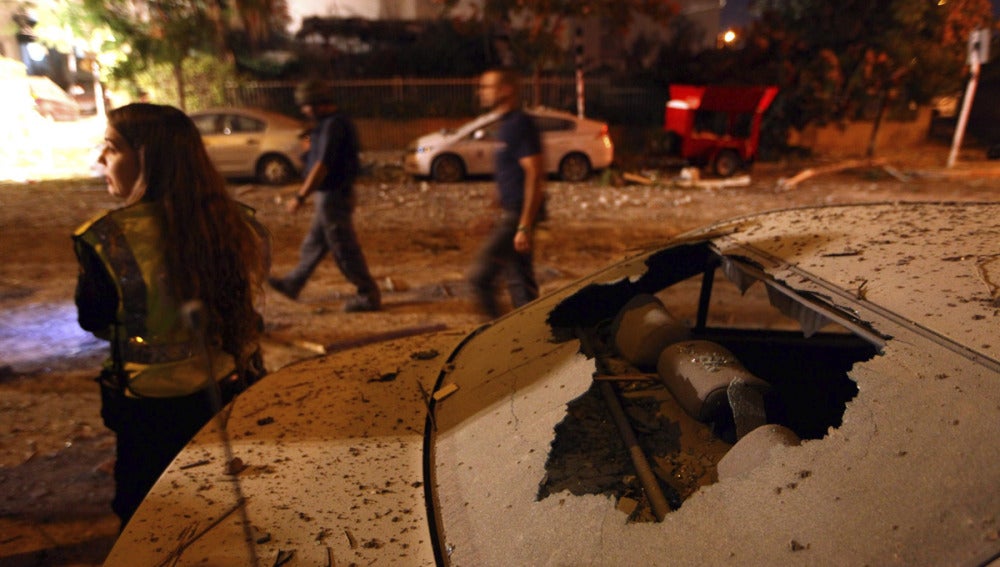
[(170, 279)]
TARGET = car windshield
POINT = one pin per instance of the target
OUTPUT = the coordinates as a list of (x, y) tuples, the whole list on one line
[(726, 313)]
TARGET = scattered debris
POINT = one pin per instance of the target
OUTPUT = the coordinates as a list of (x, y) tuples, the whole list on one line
[(627, 505), (899, 175), (444, 392), (989, 273), (635, 178), (387, 377), (791, 182), (425, 355), (350, 539), (283, 557), (310, 346), (391, 285), (195, 464), (185, 541), (689, 174), (735, 181), (297, 343), (427, 403), (235, 466)]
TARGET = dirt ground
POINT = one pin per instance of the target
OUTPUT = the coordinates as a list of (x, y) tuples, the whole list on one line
[(419, 237)]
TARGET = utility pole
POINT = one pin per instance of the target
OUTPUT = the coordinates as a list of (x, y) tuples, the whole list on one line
[(579, 72), (979, 50)]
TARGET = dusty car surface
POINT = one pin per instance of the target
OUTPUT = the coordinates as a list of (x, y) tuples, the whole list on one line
[(573, 147), (813, 386), (248, 142)]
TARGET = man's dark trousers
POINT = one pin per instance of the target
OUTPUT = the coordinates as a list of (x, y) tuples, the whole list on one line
[(332, 231)]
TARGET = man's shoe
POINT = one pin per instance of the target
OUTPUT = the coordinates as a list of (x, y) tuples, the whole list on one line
[(281, 286), (362, 303)]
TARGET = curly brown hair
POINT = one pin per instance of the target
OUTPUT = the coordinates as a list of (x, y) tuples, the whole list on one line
[(213, 253)]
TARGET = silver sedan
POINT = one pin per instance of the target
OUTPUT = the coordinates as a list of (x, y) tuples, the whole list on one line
[(248, 142)]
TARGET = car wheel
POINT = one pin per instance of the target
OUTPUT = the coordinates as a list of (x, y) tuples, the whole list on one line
[(726, 163), (574, 167), (275, 170), (447, 169)]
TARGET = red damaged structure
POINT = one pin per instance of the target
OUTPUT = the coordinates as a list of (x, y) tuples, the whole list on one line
[(717, 127)]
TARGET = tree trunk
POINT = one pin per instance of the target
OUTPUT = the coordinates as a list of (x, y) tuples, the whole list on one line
[(179, 80)]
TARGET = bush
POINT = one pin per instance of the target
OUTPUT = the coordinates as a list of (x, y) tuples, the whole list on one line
[(205, 79)]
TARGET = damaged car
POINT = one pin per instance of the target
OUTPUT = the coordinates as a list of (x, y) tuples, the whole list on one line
[(800, 387)]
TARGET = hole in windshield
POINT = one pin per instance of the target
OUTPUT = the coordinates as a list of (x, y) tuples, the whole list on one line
[(699, 368)]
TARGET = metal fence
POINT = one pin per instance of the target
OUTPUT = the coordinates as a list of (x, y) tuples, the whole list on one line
[(391, 112), (406, 98)]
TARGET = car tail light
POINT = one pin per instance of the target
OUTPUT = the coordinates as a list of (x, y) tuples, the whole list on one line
[(604, 136)]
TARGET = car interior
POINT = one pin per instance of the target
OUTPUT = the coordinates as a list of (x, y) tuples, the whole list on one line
[(773, 372)]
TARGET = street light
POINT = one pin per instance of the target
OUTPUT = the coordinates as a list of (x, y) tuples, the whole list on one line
[(727, 38)]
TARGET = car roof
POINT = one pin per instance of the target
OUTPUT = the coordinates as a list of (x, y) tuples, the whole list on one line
[(927, 402), (542, 111), (909, 476), (324, 438), (536, 111), (44, 87), (275, 118), (931, 265)]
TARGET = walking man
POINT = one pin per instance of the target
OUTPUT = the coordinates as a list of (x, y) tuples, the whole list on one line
[(520, 179), (331, 164)]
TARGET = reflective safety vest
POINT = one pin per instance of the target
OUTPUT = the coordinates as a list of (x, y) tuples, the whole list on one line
[(153, 350)]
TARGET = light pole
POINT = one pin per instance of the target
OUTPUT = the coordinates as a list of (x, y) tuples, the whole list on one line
[(979, 42), (579, 72)]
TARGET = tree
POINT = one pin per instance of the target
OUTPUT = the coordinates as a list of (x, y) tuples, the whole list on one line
[(534, 36), (852, 59), (143, 36), (69, 28), (262, 20)]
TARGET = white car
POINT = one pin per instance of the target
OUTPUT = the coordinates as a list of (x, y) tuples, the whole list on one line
[(814, 386), (247, 142), (51, 101), (573, 147)]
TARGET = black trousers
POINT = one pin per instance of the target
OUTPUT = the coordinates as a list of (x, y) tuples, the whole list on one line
[(332, 231), (150, 432), (498, 256)]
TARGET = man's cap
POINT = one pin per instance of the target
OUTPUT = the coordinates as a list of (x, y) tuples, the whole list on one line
[(313, 91)]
